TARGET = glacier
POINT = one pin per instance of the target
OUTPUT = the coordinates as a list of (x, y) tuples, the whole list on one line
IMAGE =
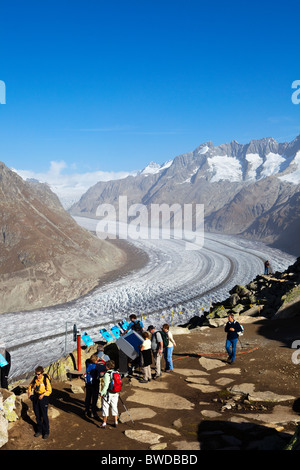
[(175, 285)]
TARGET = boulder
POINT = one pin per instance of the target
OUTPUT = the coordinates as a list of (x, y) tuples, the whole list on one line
[(3, 424), (9, 405)]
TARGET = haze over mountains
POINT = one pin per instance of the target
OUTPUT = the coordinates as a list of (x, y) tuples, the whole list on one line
[(250, 190)]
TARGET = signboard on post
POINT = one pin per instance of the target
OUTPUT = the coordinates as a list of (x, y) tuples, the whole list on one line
[(87, 340), (3, 361)]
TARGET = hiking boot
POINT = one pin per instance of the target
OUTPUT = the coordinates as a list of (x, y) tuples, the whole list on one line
[(45, 436), (143, 381), (37, 434)]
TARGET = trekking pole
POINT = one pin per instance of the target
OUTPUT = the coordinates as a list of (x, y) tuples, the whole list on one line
[(126, 409), (119, 417)]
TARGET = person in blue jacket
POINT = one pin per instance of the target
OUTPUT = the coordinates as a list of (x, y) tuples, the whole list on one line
[(94, 367), (232, 328), (135, 325)]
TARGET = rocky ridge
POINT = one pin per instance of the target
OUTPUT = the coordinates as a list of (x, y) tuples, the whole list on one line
[(271, 296)]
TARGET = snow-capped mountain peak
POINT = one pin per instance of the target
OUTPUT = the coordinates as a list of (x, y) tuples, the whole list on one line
[(154, 168)]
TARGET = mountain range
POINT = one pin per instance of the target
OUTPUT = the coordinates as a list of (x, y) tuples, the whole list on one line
[(250, 190)]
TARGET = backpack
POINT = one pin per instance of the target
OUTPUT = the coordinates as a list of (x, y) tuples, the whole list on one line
[(165, 338), (137, 327), (240, 333), (88, 378), (45, 376), (115, 385)]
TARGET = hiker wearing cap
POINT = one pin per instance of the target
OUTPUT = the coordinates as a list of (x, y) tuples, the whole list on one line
[(157, 349), (232, 328)]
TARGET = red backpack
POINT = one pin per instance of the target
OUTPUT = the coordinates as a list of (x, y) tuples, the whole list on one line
[(115, 382)]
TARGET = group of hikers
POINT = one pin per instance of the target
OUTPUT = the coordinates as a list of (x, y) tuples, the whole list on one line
[(100, 368), (156, 344), (102, 379)]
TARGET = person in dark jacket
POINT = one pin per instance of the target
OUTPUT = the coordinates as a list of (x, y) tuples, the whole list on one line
[(232, 328), (39, 391), (267, 267)]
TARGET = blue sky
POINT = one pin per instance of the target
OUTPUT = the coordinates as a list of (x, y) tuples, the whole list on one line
[(108, 87)]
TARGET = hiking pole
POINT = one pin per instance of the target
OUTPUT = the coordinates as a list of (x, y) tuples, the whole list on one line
[(126, 409), (119, 417)]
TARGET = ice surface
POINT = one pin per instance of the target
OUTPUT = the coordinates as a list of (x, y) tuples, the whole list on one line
[(272, 164), (294, 176), (255, 161), (225, 168), (175, 285)]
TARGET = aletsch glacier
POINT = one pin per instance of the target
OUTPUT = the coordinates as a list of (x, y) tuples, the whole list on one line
[(174, 280)]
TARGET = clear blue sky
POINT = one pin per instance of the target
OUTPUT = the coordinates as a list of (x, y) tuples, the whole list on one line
[(112, 85)]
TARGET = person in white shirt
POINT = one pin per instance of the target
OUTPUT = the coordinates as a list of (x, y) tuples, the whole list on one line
[(168, 350), (147, 357)]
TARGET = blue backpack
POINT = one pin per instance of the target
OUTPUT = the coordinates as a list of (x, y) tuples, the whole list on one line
[(89, 376)]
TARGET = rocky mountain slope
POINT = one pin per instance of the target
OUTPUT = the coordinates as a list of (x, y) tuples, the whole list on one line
[(249, 190), (45, 257)]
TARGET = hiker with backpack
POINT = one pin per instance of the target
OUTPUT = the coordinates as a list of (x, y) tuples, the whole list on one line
[(157, 349), (110, 393), (135, 325), (94, 367), (39, 391), (168, 344)]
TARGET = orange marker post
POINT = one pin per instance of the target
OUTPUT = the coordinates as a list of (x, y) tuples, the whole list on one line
[(79, 352)]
